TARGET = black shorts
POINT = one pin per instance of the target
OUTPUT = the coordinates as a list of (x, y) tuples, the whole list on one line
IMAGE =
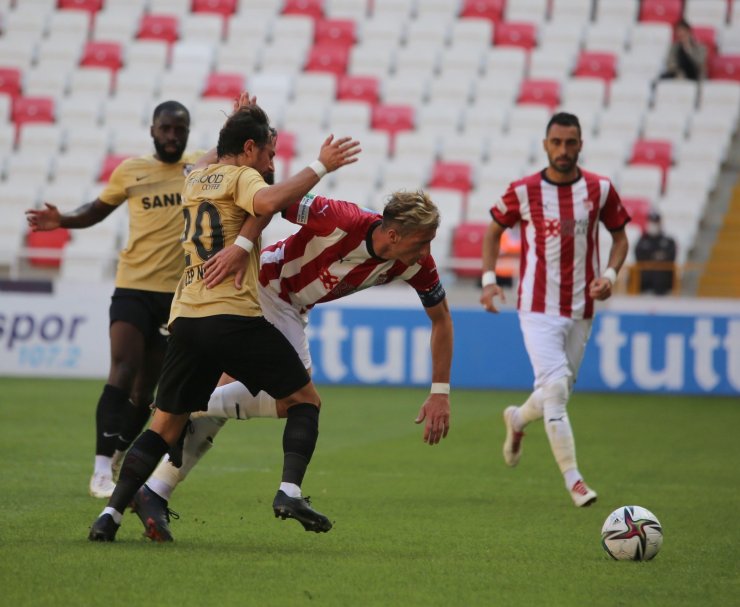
[(148, 311), (250, 349)]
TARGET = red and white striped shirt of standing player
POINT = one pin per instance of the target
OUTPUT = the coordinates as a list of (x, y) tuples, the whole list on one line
[(331, 256), (560, 239)]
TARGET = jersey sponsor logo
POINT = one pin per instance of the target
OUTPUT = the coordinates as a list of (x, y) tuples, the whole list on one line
[(158, 202), (303, 209), (552, 228)]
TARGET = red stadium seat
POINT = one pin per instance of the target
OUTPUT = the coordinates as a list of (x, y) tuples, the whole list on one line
[(102, 54), (326, 57), (109, 164), (358, 88), (310, 8), (653, 152), (493, 10), (596, 64), (467, 250), (286, 145), (10, 81), (92, 6), (510, 33), (392, 119), (53, 239), (452, 176), (158, 27), (33, 109), (335, 31), (543, 92), (224, 85), (667, 11), (725, 67), (222, 7), (638, 208)]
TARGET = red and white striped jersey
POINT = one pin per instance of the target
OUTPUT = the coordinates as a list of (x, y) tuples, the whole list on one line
[(560, 239), (331, 256)]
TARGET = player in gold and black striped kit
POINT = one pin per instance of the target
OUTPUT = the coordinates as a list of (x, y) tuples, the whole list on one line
[(222, 329)]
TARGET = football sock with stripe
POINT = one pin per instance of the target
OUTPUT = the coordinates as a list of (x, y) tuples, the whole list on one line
[(557, 424), (234, 401), (108, 419), (135, 418)]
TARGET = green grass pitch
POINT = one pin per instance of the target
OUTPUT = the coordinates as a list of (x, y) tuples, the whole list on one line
[(414, 525)]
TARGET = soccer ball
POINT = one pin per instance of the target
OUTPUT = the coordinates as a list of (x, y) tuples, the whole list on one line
[(632, 533)]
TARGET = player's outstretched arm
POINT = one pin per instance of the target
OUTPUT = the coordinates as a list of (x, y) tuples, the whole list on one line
[(334, 154), (436, 408), (491, 248), (233, 260), (49, 218)]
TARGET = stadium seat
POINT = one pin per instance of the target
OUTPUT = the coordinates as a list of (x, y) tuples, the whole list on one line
[(32, 109), (53, 239), (668, 11), (597, 65), (335, 31), (493, 10), (328, 57), (92, 6), (310, 8), (158, 27), (519, 34), (221, 7), (358, 88), (638, 208), (286, 145), (544, 92), (452, 176), (467, 249), (392, 118), (102, 54), (109, 164), (725, 67), (653, 152), (224, 85), (10, 81), (350, 116)]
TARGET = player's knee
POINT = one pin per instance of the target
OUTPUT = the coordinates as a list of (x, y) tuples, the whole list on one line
[(306, 394), (556, 391)]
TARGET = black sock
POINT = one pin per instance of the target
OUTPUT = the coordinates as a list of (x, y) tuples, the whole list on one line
[(299, 441), (108, 419), (138, 465), (134, 420)]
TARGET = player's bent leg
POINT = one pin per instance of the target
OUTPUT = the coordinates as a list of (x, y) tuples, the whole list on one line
[(235, 401), (562, 443)]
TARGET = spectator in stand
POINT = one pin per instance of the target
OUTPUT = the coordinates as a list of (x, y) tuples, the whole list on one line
[(656, 255), (687, 58)]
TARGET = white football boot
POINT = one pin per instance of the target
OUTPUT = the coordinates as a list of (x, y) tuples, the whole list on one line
[(582, 494), (101, 485), (513, 441)]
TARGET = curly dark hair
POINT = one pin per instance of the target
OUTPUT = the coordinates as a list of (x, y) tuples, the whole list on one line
[(248, 122)]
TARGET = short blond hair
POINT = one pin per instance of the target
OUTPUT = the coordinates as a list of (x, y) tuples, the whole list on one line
[(410, 212)]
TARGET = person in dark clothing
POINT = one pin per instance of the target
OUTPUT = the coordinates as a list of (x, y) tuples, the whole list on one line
[(657, 252), (687, 57)]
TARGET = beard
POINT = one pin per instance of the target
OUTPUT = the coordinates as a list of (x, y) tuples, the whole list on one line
[(169, 157), (269, 178)]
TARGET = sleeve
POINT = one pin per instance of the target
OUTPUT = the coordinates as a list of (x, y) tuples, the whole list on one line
[(427, 284), (323, 215), (114, 193), (247, 184), (613, 215), (505, 210)]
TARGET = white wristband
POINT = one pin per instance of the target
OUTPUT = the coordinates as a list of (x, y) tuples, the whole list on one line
[(610, 274), (318, 167), (244, 243), (489, 278), (440, 388)]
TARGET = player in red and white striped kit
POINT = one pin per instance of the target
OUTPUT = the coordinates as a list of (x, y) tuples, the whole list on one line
[(559, 210), (339, 250)]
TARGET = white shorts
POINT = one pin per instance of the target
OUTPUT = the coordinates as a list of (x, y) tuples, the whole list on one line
[(289, 321), (555, 345)]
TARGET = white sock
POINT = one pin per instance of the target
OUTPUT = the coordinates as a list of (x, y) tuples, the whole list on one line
[(117, 516), (234, 401), (557, 424), (102, 465), (198, 441), (530, 411), (290, 489), (571, 477)]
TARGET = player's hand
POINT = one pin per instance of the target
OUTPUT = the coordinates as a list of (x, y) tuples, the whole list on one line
[(336, 153), (244, 100), (436, 412), (41, 220), (229, 260), (600, 288), (487, 296)]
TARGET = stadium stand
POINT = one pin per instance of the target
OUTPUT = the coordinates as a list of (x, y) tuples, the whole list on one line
[(427, 85)]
